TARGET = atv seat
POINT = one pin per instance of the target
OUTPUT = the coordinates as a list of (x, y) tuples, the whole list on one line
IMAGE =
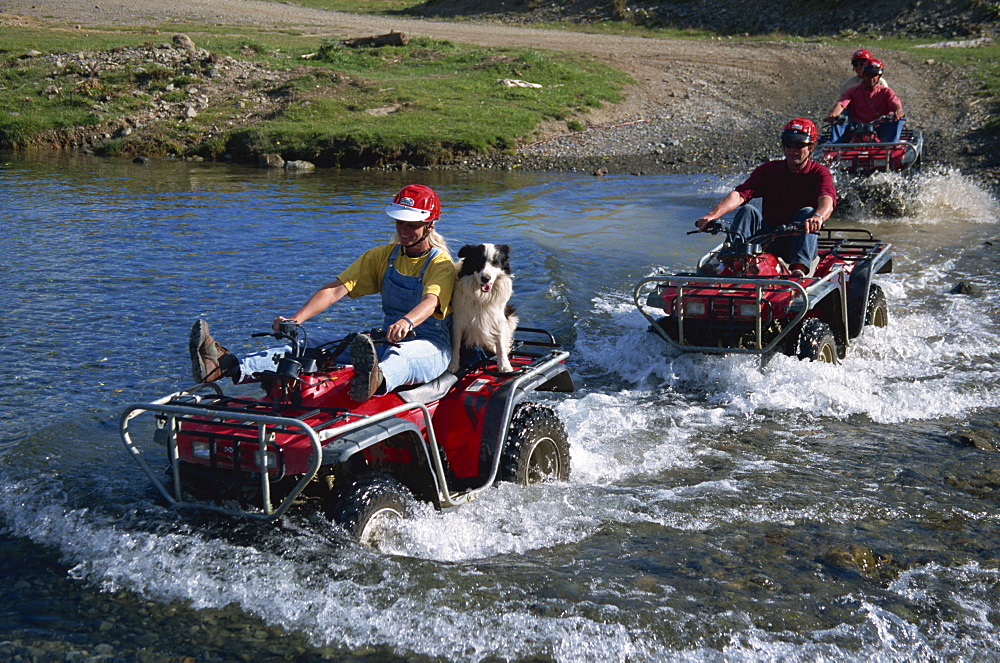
[(428, 391)]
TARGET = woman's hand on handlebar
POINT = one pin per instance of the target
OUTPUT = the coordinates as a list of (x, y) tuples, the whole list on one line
[(398, 330), (276, 324)]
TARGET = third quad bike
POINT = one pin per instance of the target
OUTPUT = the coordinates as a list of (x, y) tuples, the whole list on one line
[(742, 299), (871, 147), (443, 442)]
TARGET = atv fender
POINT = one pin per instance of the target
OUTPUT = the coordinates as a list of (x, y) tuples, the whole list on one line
[(499, 408), (359, 439), (858, 288)]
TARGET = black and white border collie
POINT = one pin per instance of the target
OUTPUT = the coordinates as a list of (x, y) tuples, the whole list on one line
[(482, 315)]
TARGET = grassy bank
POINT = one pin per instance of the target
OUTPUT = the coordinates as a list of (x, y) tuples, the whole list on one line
[(422, 103), (305, 98)]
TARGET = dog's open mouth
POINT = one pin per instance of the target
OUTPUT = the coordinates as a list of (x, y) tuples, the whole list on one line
[(486, 287)]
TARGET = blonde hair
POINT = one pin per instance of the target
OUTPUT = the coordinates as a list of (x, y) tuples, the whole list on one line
[(435, 238)]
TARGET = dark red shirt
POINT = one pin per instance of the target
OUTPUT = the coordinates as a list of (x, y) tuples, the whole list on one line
[(783, 193)]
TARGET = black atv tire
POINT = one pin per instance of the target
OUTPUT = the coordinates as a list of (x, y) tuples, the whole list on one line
[(876, 311), (537, 448), (367, 502), (816, 342)]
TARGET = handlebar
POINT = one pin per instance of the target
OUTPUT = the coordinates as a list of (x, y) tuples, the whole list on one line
[(305, 359), (287, 330), (717, 226), (712, 227)]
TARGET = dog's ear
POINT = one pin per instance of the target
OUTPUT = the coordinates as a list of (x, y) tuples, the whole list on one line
[(466, 251), (503, 252)]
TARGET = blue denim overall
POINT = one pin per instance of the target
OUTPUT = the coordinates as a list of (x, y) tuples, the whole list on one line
[(414, 361), (425, 357)]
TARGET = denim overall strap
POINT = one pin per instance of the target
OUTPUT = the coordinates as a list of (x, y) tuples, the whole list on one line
[(401, 293)]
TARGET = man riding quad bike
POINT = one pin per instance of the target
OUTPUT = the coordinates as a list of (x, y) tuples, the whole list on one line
[(743, 299)]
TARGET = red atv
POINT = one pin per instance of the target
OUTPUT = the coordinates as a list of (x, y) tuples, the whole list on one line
[(742, 299), (871, 146), (444, 442)]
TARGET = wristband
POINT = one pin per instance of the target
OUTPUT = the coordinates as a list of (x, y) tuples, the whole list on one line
[(410, 322)]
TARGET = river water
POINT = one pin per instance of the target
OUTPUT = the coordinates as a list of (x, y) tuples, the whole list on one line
[(718, 509)]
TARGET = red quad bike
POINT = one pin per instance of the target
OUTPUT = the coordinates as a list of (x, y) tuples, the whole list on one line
[(865, 153), (443, 442), (743, 299)]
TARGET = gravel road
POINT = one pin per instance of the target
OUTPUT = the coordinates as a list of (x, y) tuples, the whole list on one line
[(696, 106)]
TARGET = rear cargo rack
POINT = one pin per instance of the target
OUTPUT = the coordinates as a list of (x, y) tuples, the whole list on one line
[(722, 287), (872, 156)]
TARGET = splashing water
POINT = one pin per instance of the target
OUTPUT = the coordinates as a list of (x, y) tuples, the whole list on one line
[(718, 508)]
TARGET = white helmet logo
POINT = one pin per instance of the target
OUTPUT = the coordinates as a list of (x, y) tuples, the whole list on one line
[(409, 202)]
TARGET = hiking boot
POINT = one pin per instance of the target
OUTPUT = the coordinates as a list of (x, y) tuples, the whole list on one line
[(367, 376), (209, 360)]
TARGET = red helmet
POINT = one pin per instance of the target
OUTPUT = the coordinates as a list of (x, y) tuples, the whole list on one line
[(800, 130), (415, 202), (873, 68), (860, 54)]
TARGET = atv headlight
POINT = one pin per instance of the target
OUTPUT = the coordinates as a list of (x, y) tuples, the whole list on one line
[(748, 310), (694, 308), (268, 457), (201, 449), (880, 163)]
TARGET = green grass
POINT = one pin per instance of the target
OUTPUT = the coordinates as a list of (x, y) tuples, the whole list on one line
[(424, 102), (438, 99)]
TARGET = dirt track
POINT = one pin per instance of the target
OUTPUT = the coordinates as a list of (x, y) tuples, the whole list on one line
[(724, 97)]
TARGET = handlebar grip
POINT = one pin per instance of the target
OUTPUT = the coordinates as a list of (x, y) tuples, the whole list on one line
[(712, 227)]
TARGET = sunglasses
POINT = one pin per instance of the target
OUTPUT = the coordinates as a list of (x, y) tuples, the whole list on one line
[(411, 225), (794, 143)]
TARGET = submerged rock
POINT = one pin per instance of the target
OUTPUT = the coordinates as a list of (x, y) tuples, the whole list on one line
[(855, 558), (978, 439), (271, 161), (964, 288)]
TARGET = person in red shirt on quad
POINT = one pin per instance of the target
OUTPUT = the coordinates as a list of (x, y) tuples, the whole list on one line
[(795, 190), (866, 103)]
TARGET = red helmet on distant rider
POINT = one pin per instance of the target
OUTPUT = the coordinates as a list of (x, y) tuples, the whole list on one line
[(873, 68), (800, 130), (862, 56), (415, 202)]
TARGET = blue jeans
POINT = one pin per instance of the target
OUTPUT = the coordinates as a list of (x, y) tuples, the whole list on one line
[(798, 248), (888, 132), (414, 361)]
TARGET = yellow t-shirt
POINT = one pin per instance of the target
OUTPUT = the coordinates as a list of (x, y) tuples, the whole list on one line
[(364, 276)]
